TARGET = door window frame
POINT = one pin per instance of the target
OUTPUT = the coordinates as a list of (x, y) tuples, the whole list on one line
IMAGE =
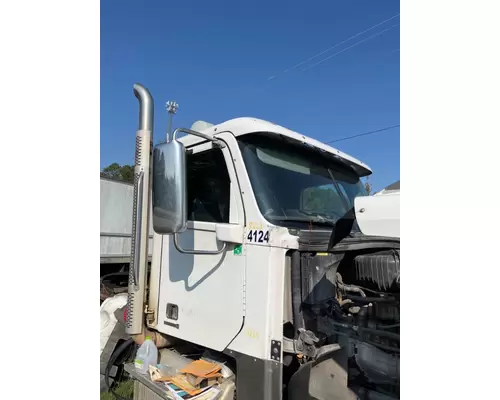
[(236, 211)]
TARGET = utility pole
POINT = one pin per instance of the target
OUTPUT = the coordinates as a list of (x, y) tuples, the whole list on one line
[(171, 107)]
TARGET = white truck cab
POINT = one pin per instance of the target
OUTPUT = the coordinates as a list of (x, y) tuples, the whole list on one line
[(258, 257)]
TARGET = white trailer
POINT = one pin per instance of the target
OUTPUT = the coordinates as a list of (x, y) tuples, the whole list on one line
[(117, 199)]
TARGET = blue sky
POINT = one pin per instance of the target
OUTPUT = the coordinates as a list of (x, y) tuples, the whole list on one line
[(215, 59)]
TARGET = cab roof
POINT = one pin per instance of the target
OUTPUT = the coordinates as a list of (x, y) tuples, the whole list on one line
[(245, 125)]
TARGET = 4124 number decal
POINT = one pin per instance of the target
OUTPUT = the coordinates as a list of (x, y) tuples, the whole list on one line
[(258, 236)]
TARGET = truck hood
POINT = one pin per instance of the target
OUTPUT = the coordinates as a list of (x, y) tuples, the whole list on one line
[(378, 215)]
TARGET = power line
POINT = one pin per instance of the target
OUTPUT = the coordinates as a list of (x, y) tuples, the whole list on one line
[(334, 46), (363, 134), (347, 48)]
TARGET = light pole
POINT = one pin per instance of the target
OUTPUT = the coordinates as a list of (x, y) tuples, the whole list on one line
[(171, 107)]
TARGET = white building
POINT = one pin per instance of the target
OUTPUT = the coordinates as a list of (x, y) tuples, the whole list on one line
[(392, 188)]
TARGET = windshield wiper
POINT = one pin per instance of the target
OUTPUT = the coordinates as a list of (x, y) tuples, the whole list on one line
[(318, 215), (314, 220)]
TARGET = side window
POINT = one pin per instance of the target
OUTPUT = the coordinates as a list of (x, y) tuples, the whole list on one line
[(208, 187)]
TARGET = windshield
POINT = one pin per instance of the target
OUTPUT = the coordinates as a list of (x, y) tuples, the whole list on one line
[(295, 185)]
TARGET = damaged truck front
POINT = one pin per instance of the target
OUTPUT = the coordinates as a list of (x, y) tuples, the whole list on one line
[(341, 307), (345, 304)]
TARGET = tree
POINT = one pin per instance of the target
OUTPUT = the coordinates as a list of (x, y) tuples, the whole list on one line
[(119, 172), (368, 187)]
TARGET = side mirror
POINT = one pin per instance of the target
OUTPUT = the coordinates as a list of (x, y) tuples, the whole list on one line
[(169, 188)]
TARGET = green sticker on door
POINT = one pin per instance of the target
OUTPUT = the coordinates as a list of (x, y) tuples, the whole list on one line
[(237, 250)]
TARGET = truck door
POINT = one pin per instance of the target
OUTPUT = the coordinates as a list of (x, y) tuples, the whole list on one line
[(201, 296)]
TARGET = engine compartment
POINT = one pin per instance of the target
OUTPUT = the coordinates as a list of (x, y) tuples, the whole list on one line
[(350, 298)]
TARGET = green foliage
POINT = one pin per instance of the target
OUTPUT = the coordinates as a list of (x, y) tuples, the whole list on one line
[(119, 172), (124, 389)]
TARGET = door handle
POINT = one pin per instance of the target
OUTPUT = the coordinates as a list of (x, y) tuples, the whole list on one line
[(200, 252)]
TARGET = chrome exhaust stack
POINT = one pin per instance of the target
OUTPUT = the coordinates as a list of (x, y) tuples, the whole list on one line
[(140, 218)]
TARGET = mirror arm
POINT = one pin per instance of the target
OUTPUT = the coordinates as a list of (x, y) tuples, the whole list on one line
[(200, 252), (199, 134)]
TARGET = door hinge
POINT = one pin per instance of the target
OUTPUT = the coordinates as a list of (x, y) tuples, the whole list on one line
[(150, 315), (276, 350)]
